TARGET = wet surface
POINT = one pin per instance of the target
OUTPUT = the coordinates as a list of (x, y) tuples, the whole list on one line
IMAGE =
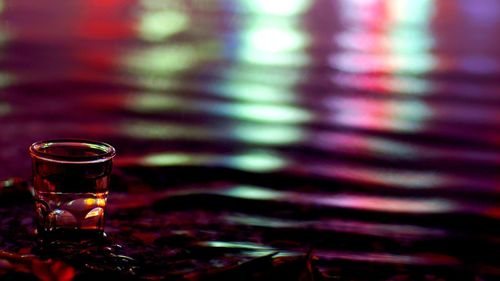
[(365, 133)]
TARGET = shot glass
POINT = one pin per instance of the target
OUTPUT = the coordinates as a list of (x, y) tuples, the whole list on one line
[(71, 184)]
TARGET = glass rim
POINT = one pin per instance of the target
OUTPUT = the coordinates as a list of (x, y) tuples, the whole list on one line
[(108, 151)]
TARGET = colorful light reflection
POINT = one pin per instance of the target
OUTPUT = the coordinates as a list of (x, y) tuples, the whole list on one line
[(257, 161), (261, 134), (350, 201), (389, 37), (387, 114), (267, 113)]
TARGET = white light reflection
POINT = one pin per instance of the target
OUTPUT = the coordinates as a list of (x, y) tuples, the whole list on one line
[(272, 42), (276, 7), (263, 112)]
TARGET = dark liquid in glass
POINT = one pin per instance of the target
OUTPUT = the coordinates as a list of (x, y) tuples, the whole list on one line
[(70, 192)]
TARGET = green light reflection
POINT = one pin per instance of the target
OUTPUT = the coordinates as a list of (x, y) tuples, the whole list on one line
[(247, 133), (251, 161), (159, 25), (154, 103), (257, 161), (167, 59), (253, 192), (264, 112), (254, 92), (156, 83), (278, 77), (164, 131), (171, 159), (269, 135), (268, 113)]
